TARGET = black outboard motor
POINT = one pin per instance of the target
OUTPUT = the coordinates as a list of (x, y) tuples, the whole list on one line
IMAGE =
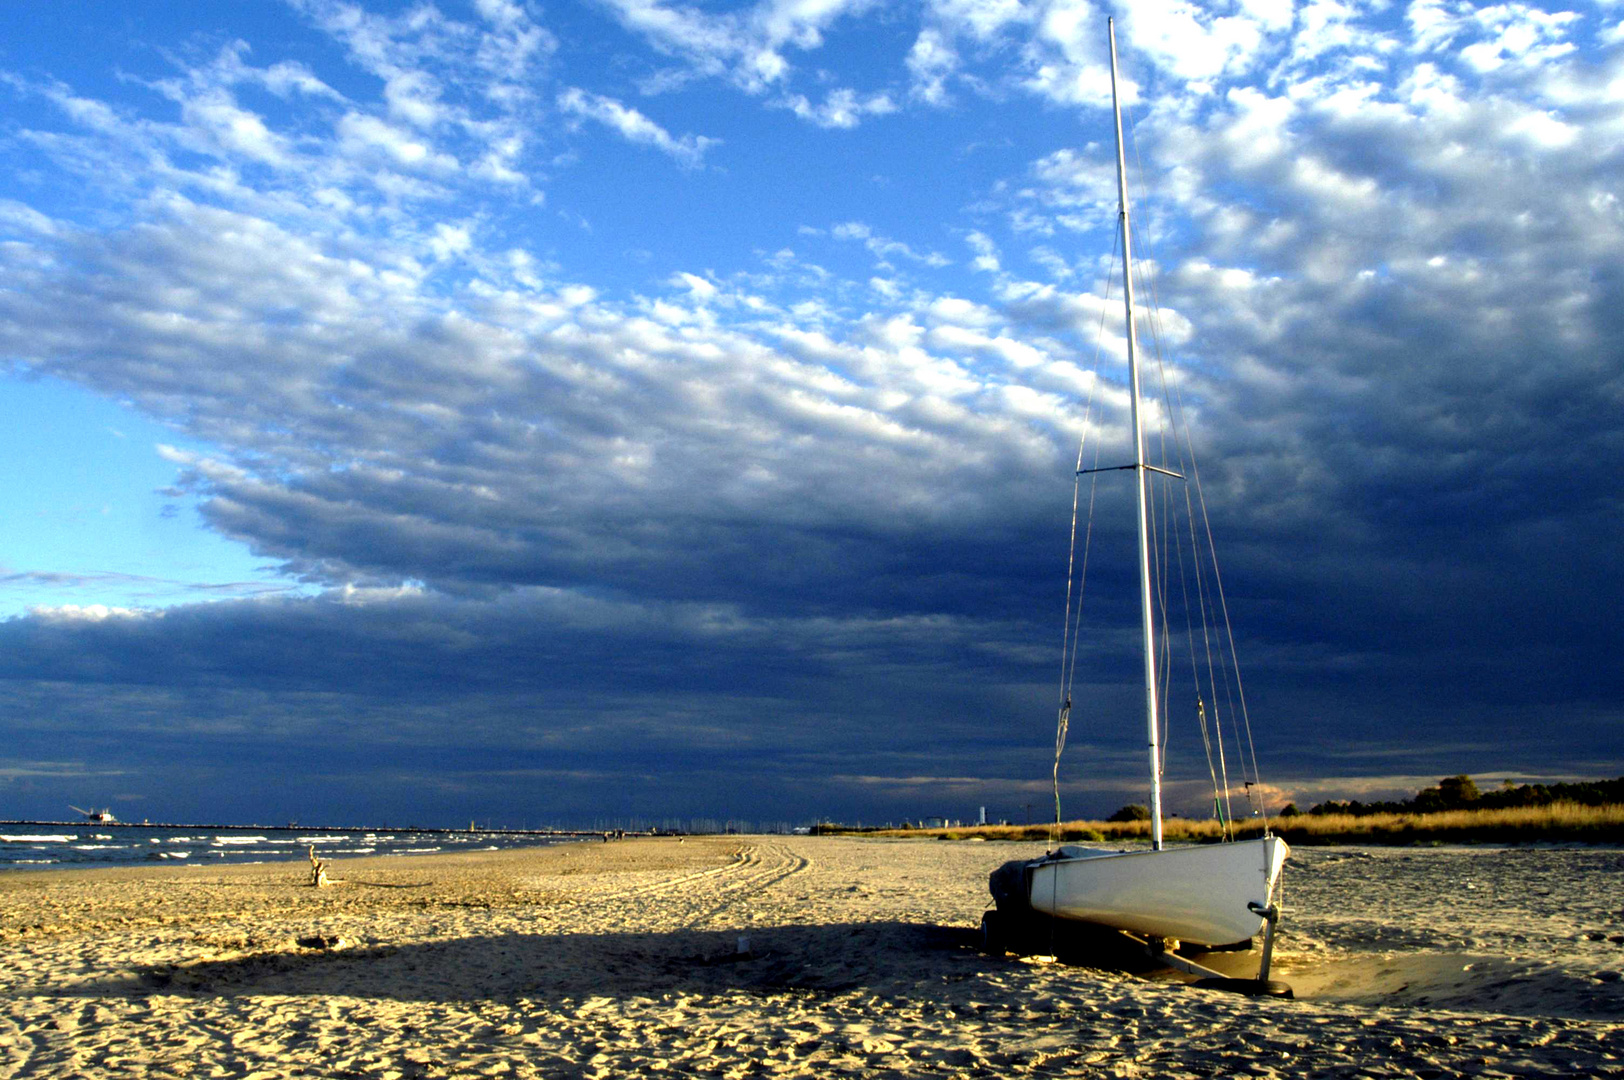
[(1011, 885), (1008, 926)]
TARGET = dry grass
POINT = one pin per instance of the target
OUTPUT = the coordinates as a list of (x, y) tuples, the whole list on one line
[(1563, 821), (1558, 821)]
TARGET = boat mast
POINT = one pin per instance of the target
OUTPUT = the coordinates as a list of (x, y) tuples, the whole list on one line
[(1141, 474)]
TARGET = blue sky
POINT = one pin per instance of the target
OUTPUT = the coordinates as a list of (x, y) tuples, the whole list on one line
[(89, 514), (423, 411)]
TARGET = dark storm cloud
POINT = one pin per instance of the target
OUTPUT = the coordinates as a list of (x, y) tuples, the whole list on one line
[(539, 681)]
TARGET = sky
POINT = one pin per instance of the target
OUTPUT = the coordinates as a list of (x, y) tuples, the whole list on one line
[(619, 409)]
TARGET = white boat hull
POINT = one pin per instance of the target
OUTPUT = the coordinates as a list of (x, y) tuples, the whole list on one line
[(1198, 894)]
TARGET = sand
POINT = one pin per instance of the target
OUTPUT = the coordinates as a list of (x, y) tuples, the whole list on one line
[(622, 959)]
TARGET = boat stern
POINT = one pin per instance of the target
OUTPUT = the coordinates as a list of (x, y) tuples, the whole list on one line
[(1011, 886)]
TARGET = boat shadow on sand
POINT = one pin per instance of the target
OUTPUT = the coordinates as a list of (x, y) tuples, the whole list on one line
[(1081, 944), (896, 958), (817, 959), (889, 957)]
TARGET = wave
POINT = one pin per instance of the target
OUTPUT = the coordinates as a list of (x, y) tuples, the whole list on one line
[(197, 846), (38, 839)]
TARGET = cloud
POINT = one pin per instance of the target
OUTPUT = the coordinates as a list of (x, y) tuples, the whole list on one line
[(1522, 36), (1198, 45), (982, 19), (449, 116), (90, 613), (535, 680), (562, 437), (746, 47), (144, 588), (687, 150), (494, 58), (884, 248), (236, 131), (841, 108), (930, 62), (986, 252), (360, 134)]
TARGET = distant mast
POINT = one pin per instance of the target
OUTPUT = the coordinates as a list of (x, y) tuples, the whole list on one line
[(1141, 474)]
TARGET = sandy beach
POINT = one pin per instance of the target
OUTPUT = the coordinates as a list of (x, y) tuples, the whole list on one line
[(860, 959)]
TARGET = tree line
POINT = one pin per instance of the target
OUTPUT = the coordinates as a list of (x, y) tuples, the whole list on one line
[(1462, 793)]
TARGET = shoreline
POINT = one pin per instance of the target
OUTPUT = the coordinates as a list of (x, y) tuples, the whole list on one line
[(298, 827), (783, 957), (57, 847)]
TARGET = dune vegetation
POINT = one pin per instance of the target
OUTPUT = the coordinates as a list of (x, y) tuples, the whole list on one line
[(1566, 822)]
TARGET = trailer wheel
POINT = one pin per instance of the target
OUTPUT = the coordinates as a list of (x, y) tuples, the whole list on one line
[(992, 933)]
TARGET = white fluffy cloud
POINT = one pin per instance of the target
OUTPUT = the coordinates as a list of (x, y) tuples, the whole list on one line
[(688, 150), (842, 108), (747, 46)]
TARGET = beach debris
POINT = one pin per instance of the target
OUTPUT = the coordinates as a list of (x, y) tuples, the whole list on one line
[(318, 870), (327, 943), (741, 953)]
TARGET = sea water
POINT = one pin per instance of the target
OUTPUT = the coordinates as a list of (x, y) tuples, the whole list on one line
[(46, 847)]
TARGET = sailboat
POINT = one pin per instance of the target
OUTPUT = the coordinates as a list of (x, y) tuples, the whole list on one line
[(1212, 895)]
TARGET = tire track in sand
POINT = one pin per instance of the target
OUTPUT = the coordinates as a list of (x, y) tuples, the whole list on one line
[(691, 900), (777, 865)]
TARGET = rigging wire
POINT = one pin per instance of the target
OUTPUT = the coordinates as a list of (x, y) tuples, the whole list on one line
[(1229, 632), (1224, 671), (1175, 414), (1220, 794), (1170, 548), (1175, 418)]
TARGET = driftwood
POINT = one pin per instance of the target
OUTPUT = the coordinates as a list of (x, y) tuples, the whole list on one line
[(318, 870)]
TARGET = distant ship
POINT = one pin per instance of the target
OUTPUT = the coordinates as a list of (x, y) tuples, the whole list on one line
[(96, 817)]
